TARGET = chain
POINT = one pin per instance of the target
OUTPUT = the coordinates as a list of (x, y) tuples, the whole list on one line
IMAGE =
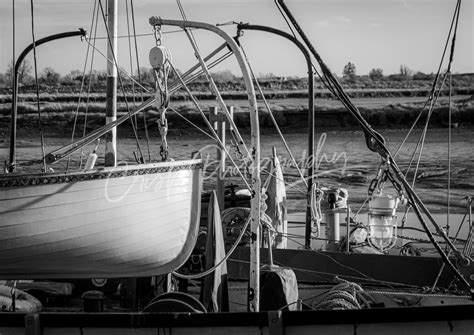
[(394, 182), (158, 35), (384, 174), (377, 181), (236, 150), (163, 128), (162, 96)]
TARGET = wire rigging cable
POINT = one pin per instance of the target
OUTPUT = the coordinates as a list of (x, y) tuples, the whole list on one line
[(119, 70), (236, 134), (209, 125), (139, 81), (240, 144), (40, 125), (432, 99), (454, 23), (272, 117), (76, 114), (89, 87)]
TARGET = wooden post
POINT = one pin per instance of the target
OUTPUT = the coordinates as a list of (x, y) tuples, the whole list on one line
[(111, 103)]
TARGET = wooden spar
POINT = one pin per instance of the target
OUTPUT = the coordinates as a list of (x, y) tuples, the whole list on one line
[(254, 167), (14, 113), (111, 103), (311, 155)]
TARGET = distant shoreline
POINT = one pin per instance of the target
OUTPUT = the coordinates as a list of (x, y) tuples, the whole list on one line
[(290, 113)]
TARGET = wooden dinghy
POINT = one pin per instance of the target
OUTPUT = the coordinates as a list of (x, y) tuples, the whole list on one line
[(125, 221)]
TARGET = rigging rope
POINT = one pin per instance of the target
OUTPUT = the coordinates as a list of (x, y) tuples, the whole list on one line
[(89, 87), (321, 77), (144, 34), (139, 81), (448, 191), (467, 241), (436, 94), (76, 114), (229, 253), (235, 133), (451, 56), (209, 125), (40, 125), (275, 123), (13, 41), (119, 70), (421, 140), (435, 81), (344, 295), (183, 15), (130, 59), (192, 123)]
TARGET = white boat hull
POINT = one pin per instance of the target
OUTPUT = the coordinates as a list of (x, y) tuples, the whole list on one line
[(116, 222)]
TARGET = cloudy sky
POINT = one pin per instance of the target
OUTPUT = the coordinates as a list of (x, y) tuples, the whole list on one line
[(370, 33)]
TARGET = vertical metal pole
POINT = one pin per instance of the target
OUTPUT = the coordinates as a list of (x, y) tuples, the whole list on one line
[(333, 230), (219, 127), (14, 113), (11, 165), (111, 103), (348, 228), (311, 119), (254, 282), (311, 156), (469, 199)]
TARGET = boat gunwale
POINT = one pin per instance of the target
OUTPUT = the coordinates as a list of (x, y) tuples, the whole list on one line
[(391, 316), (18, 180)]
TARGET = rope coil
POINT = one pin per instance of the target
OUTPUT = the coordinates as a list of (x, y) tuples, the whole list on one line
[(345, 295)]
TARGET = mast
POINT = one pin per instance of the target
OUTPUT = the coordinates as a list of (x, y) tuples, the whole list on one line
[(111, 102)]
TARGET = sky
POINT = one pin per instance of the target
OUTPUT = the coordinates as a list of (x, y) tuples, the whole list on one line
[(369, 33)]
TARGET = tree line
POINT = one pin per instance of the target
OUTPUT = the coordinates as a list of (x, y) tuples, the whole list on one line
[(49, 78), (349, 72)]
